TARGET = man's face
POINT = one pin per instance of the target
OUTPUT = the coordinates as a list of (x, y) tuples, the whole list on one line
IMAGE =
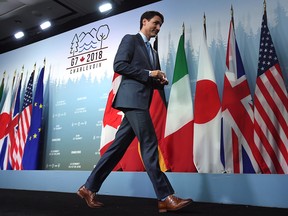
[(152, 27)]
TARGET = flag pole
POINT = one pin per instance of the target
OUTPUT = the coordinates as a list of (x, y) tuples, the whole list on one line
[(204, 24), (2, 83), (22, 73), (265, 11), (34, 69), (14, 77), (232, 15), (265, 6)]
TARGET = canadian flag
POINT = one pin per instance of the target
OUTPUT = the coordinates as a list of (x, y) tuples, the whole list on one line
[(112, 119)]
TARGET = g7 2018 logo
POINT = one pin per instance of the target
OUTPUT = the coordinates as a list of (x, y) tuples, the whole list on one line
[(87, 50)]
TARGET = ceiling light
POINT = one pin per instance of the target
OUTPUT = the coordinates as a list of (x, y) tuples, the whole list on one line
[(19, 35), (105, 7), (45, 25)]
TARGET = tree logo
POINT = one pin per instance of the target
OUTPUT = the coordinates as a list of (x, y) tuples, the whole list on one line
[(87, 50)]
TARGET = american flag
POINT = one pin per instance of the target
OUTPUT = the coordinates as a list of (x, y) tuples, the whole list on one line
[(24, 125), (270, 107)]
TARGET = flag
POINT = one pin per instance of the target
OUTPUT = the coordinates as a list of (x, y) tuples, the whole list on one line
[(207, 116), (13, 125), (31, 150), (179, 120), (132, 159), (5, 119), (270, 107), (158, 112), (24, 125), (237, 114), (111, 121), (4, 153)]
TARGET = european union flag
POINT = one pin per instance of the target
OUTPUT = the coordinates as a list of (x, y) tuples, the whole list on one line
[(31, 151)]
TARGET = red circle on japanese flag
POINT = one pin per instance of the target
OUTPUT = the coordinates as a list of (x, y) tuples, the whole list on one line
[(207, 101)]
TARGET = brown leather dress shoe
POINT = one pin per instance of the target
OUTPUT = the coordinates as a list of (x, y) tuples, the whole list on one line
[(89, 197), (173, 203)]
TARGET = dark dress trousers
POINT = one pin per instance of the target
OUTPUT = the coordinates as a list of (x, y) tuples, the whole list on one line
[(133, 97)]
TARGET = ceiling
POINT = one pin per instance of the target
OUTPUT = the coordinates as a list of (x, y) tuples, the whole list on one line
[(27, 15)]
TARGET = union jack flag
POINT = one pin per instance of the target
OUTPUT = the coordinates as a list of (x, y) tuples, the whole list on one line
[(270, 107), (238, 153), (13, 127)]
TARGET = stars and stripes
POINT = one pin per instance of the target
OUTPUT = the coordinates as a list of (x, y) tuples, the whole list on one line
[(24, 125), (270, 107)]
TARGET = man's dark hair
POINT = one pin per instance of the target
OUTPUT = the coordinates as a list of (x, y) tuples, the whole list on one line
[(149, 15)]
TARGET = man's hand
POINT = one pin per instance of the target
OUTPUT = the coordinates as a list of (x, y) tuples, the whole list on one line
[(160, 75), (164, 82)]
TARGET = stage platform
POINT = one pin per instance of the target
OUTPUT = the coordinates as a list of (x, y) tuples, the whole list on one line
[(242, 189)]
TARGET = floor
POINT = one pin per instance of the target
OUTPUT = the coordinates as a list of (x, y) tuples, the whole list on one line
[(19, 202)]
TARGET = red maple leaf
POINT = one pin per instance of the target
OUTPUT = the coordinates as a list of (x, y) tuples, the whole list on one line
[(111, 115)]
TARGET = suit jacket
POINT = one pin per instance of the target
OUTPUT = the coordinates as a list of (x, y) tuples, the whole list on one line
[(133, 63)]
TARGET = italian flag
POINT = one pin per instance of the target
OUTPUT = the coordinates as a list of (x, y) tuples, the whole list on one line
[(179, 120)]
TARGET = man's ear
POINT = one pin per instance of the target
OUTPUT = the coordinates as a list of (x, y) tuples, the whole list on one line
[(144, 21)]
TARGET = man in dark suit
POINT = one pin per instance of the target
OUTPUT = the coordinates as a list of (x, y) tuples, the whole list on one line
[(139, 66)]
